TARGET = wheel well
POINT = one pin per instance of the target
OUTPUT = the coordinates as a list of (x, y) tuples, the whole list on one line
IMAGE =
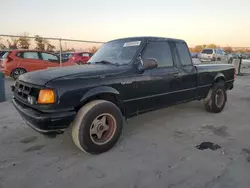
[(108, 97), (220, 79), (11, 74), (18, 68)]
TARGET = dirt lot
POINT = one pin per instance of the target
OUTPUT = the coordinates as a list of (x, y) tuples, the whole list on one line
[(157, 149)]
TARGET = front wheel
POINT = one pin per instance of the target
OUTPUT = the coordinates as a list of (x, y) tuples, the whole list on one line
[(97, 126), (216, 99)]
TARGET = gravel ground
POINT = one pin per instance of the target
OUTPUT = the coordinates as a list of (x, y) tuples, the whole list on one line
[(156, 149)]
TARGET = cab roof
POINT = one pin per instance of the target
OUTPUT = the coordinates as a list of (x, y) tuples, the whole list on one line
[(150, 38)]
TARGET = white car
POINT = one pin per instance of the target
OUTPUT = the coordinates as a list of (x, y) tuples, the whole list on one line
[(214, 54)]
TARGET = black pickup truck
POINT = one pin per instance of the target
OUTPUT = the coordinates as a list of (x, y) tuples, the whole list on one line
[(124, 78)]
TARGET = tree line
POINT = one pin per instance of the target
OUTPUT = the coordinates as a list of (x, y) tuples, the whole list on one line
[(40, 43), (24, 43)]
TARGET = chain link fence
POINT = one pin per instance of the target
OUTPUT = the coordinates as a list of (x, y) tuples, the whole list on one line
[(63, 48), (79, 51)]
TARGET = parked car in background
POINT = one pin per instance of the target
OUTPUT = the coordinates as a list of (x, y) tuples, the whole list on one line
[(17, 62), (66, 55), (80, 57), (195, 55), (245, 55), (3, 55), (215, 54), (234, 55)]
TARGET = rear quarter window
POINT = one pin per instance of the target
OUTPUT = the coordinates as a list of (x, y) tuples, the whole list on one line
[(29, 55), (1, 54), (5, 55)]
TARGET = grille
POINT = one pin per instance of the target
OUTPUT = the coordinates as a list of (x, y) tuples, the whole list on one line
[(22, 91)]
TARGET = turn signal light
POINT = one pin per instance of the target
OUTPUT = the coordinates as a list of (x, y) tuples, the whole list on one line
[(46, 96)]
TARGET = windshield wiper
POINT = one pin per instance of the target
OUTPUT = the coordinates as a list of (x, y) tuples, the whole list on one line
[(106, 63), (103, 62)]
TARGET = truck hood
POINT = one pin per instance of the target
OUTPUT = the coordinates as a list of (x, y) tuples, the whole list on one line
[(42, 77)]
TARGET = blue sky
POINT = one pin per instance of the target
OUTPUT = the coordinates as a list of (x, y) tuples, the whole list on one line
[(196, 21)]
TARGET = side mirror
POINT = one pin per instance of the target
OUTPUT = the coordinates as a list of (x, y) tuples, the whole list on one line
[(149, 63)]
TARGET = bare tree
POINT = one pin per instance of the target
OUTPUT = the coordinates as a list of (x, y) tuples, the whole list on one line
[(228, 49), (40, 43), (50, 47), (23, 42), (12, 44), (212, 46), (2, 46), (43, 44), (93, 49)]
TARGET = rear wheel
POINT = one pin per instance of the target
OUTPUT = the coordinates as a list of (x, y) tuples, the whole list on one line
[(17, 72), (97, 126), (216, 99)]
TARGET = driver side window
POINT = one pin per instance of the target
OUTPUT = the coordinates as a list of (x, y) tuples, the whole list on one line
[(159, 51), (49, 57)]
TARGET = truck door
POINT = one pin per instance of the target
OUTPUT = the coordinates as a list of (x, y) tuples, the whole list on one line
[(188, 74), (156, 88)]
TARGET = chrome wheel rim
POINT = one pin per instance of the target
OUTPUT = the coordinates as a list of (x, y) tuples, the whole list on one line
[(102, 129), (219, 98)]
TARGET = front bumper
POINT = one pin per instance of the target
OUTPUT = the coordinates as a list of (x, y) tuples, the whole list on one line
[(44, 123)]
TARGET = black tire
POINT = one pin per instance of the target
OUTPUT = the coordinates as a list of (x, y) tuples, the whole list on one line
[(214, 104), (84, 121), (80, 63), (17, 72)]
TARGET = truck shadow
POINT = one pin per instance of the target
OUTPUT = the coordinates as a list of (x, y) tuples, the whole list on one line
[(161, 117), (140, 123)]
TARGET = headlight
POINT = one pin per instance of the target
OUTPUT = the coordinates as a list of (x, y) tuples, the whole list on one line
[(46, 96)]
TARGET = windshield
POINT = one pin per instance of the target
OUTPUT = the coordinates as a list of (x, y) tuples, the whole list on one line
[(117, 52)]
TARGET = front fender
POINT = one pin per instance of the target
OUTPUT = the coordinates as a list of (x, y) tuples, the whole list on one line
[(99, 90), (105, 90)]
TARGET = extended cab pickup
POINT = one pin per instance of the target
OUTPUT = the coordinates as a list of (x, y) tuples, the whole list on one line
[(124, 78)]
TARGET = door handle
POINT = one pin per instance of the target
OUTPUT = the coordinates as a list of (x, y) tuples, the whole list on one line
[(177, 75)]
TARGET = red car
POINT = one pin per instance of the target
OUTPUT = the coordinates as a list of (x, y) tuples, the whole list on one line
[(17, 62), (80, 57)]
